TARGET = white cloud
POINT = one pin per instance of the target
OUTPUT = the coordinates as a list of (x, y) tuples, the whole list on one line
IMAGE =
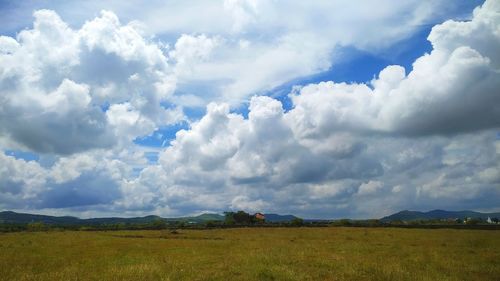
[(245, 203), (86, 179), (370, 187), (19, 180), (453, 89), (243, 12), (190, 50), (277, 49), (66, 169), (126, 41), (490, 175), (55, 82)]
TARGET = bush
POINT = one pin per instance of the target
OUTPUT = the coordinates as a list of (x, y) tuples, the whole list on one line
[(345, 222), (473, 221), (37, 226)]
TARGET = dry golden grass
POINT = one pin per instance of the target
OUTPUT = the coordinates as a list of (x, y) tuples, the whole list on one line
[(332, 253)]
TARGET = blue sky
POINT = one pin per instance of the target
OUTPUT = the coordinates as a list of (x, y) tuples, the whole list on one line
[(322, 110)]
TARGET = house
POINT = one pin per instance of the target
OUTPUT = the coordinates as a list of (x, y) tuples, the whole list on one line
[(489, 220), (259, 216)]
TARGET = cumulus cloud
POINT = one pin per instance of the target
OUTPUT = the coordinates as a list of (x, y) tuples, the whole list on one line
[(19, 179), (245, 203), (370, 187), (453, 89), (253, 162), (190, 50), (56, 83), (71, 182)]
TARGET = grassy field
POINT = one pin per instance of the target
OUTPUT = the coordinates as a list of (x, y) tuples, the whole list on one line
[(332, 253)]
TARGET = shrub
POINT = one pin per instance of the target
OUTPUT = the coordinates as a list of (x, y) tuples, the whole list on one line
[(37, 226)]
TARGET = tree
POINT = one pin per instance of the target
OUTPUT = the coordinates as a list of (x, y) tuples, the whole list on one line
[(212, 223), (297, 222), (242, 217), (229, 218), (180, 224), (159, 224)]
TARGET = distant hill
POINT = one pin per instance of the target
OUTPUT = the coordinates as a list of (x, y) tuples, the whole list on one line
[(200, 219), (279, 218), (115, 220), (437, 214), (13, 217), (22, 218)]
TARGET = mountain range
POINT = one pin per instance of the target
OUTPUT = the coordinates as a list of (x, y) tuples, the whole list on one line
[(23, 218), (437, 214)]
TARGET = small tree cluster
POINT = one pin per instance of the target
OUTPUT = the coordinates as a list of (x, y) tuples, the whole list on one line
[(239, 218)]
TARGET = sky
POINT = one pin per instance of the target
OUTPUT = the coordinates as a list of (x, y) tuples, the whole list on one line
[(324, 109)]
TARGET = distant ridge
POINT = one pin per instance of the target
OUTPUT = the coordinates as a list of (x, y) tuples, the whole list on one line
[(437, 214), (279, 218), (24, 218), (406, 215)]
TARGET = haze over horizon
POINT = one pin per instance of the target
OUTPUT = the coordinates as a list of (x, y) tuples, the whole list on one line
[(324, 110)]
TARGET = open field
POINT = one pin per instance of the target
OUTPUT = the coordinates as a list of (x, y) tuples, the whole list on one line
[(332, 253)]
